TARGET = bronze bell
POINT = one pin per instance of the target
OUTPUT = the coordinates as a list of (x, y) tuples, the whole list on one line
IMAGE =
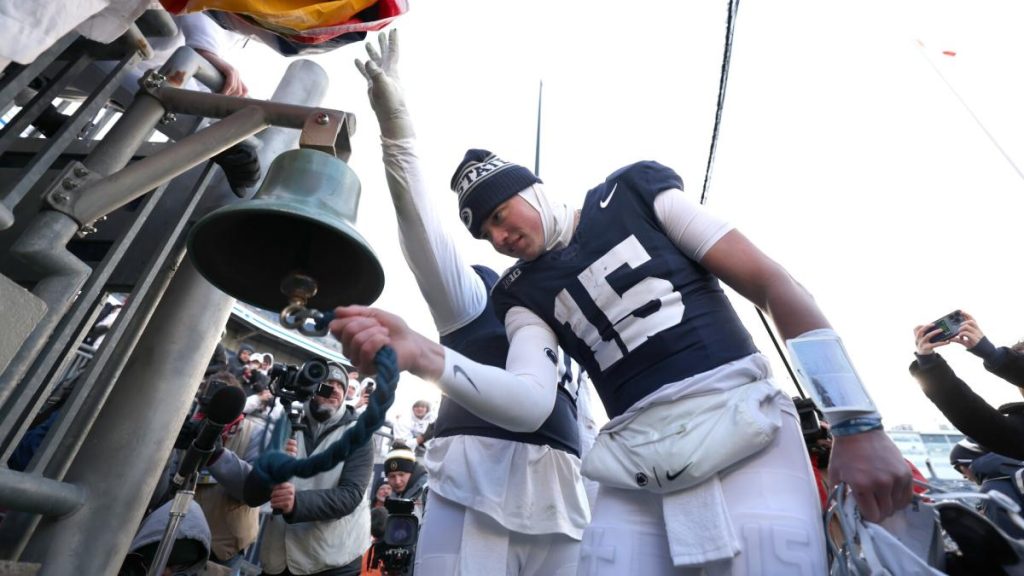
[(298, 225)]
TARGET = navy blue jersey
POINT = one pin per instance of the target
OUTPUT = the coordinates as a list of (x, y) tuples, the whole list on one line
[(624, 302), (483, 340)]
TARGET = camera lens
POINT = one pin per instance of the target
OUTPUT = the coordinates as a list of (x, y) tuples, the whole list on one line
[(314, 370), (400, 531)]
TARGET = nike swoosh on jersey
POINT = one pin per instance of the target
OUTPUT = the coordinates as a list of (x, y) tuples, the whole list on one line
[(608, 198), (670, 476), (458, 370)]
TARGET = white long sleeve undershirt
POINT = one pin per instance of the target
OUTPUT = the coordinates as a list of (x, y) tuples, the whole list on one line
[(452, 289)]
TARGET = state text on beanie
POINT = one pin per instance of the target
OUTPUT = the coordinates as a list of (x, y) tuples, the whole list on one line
[(483, 181)]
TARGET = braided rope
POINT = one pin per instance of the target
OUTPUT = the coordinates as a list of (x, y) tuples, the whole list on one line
[(275, 466)]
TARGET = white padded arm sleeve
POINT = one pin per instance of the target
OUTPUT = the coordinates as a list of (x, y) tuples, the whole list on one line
[(452, 289), (692, 228), (519, 398)]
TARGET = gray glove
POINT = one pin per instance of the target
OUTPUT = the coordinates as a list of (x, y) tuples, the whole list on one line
[(381, 73)]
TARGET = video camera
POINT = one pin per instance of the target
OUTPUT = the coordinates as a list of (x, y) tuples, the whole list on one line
[(398, 547), (300, 383)]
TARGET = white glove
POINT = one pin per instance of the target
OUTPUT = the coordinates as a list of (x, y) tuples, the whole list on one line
[(381, 73)]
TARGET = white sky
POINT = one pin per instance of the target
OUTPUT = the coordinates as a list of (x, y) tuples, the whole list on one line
[(842, 153)]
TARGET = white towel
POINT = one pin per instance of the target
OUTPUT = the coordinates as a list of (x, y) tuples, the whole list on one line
[(698, 525)]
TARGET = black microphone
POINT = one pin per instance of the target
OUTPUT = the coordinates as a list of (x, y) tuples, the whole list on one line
[(224, 407)]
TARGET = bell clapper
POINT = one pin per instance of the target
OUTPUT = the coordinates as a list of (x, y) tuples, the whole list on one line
[(299, 288)]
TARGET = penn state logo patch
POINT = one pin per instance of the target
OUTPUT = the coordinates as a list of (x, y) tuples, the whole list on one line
[(641, 479), (393, 466), (467, 217)]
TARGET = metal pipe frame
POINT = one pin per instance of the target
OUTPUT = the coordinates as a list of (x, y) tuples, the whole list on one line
[(39, 495), (67, 133), (18, 77), (43, 245), (16, 413), (138, 121), (62, 443), (135, 426), (41, 101), (104, 196), (336, 126), (151, 397)]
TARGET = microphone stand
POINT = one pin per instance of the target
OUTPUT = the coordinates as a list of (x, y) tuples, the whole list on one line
[(179, 509)]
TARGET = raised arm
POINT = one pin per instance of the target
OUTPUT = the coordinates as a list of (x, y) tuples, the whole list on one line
[(866, 460), (453, 291), (519, 399)]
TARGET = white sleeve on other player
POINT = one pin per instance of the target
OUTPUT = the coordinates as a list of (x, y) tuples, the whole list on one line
[(519, 398), (452, 289)]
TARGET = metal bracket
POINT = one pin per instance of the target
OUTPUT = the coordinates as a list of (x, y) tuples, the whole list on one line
[(152, 80), (64, 192), (329, 131)]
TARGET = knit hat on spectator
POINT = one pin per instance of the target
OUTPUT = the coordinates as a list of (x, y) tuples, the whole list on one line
[(400, 460), (965, 452), (336, 373), (483, 181)]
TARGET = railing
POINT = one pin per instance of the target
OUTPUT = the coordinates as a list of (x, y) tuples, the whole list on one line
[(75, 507)]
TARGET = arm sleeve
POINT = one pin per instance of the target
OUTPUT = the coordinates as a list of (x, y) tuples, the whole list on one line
[(230, 471), (202, 33), (342, 500), (968, 412), (529, 382), (453, 291), (257, 441), (1008, 365), (691, 227)]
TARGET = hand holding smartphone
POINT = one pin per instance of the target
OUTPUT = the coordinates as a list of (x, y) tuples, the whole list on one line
[(949, 324)]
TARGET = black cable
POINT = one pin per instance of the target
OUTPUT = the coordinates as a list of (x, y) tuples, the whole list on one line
[(730, 29)]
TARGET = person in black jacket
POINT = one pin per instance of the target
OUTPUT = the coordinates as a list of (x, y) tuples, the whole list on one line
[(1000, 430), (993, 473), (407, 478)]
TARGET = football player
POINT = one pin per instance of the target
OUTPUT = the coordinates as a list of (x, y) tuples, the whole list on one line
[(503, 502), (702, 467)]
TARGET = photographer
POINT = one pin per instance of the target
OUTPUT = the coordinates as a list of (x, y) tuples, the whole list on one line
[(407, 478), (323, 527), (1000, 430)]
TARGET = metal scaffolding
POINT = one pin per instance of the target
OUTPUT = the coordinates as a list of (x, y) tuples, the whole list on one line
[(89, 482)]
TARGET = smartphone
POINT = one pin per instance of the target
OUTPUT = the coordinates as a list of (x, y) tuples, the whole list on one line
[(949, 324)]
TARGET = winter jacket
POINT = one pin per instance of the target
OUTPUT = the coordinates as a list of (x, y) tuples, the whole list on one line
[(192, 538), (329, 527), (996, 473), (999, 430)]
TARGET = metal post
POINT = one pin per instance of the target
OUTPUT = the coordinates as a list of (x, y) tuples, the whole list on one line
[(43, 244), (141, 176), (139, 120), (120, 462), (31, 493)]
